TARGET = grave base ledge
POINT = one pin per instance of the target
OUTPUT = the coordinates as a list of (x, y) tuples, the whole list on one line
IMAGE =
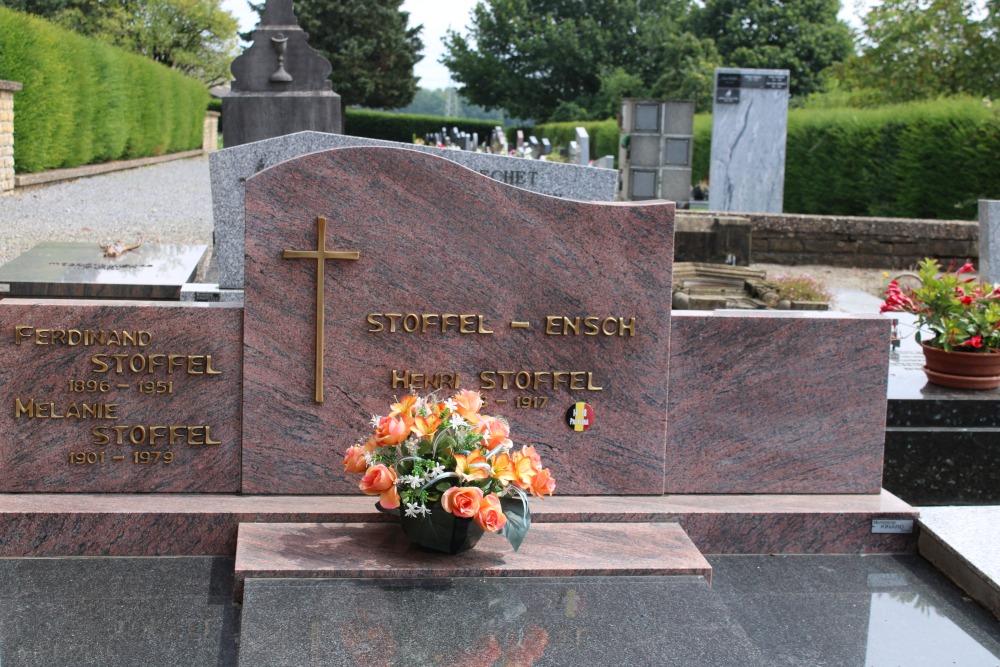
[(46, 525)]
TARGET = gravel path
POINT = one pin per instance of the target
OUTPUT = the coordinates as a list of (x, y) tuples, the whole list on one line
[(165, 203)]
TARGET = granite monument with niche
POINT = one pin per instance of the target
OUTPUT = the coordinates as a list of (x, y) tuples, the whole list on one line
[(280, 84), (989, 240), (749, 128)]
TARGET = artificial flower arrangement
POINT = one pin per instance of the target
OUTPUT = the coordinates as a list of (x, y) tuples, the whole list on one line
[(428, 455), (963, 315)]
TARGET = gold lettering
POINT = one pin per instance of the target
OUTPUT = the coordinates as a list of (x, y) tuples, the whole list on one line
[(99, 365), (486, 380), (400, 381), (426, 321), (482, 329), (590, 326), (590, 383), (550, 325), (100, 432), (21, 332), (373, 319), (571, 326), (208, 366), (174, 436), (193, 433), (22, 409), (174, 361), (522, 380), (208, 437), (468, 325), (156, 431), (393, 318), (137, 439), (411, 322), (448, 319), (41, 336), (630, 327), (604, 326), (538, 377), (576, 381), (59, 335)]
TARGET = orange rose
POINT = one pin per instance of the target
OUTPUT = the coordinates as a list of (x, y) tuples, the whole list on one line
[(391, 431), (462, 501), (389, 499), (496, 431), (469, 404), (542, 483), (355, 460), (491, 517), (377, 479)]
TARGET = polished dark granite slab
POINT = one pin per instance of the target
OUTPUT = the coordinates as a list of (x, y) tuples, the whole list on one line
[(80, 270), (117, 612), (760, 611)]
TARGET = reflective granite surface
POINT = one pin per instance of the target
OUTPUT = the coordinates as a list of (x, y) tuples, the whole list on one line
[(878, 611)]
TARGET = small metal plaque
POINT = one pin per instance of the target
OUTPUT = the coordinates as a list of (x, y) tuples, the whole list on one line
[(730, 80), (900, 526), (777, 81), (4, 287), (752, 81), (647, 118), (727, 96)]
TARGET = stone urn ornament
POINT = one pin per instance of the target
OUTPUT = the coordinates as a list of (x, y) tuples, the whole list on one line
[(962, 316), (449, 472)]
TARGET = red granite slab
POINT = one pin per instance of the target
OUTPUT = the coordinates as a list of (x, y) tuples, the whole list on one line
[(370, 550), (61, 427), (776, 403), (436, 238), (203, 524)]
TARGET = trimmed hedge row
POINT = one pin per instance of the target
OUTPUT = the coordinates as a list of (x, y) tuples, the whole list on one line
[(931, 159), (404, 127), (85, 101)]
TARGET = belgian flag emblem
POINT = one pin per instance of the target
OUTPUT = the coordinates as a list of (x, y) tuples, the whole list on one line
[(580, 416)]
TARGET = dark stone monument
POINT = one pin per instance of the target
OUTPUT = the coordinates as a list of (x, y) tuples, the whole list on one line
[(280, 83)]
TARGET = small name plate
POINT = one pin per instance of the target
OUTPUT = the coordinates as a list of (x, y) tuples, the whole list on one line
[(900, 526)]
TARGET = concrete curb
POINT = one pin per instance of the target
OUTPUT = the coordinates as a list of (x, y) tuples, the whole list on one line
[(56, 175)]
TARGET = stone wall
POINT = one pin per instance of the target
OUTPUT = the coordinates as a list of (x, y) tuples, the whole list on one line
[(210, 132), (793, 239), (7, 90)]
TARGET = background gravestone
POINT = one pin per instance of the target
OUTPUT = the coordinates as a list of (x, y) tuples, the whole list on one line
[(749, 128), (989, 240), (434, 238), (280, 83), (231, 167)]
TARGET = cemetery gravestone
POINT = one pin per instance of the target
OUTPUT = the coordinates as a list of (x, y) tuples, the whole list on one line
[(749, 128), (437, 278), (231, 167), (583, 143), (83, 270), (989, 240), (126, 397), (280, 84)]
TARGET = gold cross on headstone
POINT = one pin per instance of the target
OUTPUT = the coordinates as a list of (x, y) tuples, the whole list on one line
[(321, 254)]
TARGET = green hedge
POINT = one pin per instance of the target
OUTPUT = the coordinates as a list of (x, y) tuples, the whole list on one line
[(404, 127), (933, 159), (604, 135), (84, 101)]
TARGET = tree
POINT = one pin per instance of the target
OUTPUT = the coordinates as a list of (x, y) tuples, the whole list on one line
[(803, 36), (369, 45), (918, 49), (196, 37), (552, 59)]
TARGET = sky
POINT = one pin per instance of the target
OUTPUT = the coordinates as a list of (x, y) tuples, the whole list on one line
[(438, 16)]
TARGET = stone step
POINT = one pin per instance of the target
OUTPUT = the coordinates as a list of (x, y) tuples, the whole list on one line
[(963, 543), (382, 551), (206, 524)]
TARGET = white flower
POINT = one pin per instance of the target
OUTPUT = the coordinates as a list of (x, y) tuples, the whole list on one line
[(412, 509), (434, 472), (375, 420), (412, 480), (423, 509), (451, 405), (412, 446), (457, 421), (369, 457)]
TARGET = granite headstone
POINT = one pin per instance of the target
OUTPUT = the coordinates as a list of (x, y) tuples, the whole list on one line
[(460, 282), (989, 240), (749, 128), (231, 167)]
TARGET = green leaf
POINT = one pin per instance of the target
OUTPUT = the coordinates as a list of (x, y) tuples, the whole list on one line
[(518, 520)]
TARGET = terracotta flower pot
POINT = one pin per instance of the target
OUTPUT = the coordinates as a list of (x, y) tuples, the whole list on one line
[(962, 370)]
